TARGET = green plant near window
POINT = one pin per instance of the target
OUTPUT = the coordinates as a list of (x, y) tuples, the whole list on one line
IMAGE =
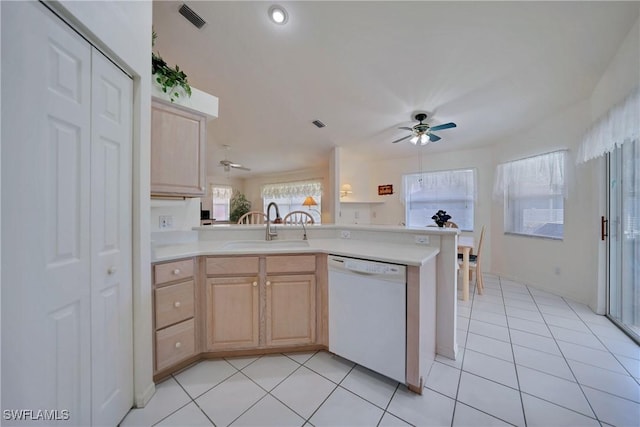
[(169, 79), (239, 206)]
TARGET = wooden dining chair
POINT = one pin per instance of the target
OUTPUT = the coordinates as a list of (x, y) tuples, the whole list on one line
[(298, 217), (474, 264), (253, 217)]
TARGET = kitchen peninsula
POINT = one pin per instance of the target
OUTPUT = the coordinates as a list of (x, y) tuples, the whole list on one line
[(227, 291)]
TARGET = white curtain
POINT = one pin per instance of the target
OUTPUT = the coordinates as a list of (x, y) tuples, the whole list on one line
[(292, 189), (542, 175), (220, 192), (621, 124), (456, 184)]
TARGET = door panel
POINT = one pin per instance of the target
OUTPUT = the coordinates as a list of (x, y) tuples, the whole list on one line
[(111, 213), (624, 237), (46, 231), (291, 309), (232, 313)]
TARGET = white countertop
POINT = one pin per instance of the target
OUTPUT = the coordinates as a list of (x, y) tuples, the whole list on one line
[(397, 253)]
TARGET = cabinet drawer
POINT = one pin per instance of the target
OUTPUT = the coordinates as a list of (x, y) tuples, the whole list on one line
[(174, 344), (291, 264), (174, 303), (233, 265), (173, 271)]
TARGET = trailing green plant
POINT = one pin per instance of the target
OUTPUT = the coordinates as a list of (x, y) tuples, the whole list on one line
[(169, 79), (239, 205)]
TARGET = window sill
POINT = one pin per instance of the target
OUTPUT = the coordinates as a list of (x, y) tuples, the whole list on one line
[(535, 236)]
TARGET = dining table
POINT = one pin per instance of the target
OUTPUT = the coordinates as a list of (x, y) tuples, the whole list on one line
[(465, 246)]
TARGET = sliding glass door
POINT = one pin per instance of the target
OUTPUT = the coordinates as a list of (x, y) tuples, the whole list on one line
[(624, 237)]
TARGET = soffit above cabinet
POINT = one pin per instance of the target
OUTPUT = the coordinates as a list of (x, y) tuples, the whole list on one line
[(200, 102)]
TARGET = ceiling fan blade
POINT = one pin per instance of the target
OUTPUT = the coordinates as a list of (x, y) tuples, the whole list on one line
[(240, 167), (405, 128), (434, 138), (444, 126), (401, 139)]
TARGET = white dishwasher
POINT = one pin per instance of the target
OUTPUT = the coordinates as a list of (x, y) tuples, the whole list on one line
[(368, 314)]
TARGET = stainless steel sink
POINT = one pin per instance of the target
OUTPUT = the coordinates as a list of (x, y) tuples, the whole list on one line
[(266, 244)]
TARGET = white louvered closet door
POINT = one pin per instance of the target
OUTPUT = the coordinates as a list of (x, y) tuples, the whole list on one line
[(66, 223)]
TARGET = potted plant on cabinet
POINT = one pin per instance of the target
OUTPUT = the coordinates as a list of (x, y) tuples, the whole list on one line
[(172, 80)]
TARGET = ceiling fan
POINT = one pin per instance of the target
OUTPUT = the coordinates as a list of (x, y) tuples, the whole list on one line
[(228, 164), (421, 133)]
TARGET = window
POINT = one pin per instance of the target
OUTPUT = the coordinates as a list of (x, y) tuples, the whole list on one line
[(452, 191), (533, 191), (290, 195), (221, 197)]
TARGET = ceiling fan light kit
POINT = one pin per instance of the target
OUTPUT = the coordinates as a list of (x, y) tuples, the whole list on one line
[(278, 14), (421, 133)]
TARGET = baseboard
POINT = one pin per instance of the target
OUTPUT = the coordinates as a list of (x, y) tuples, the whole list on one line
[(143, 398)]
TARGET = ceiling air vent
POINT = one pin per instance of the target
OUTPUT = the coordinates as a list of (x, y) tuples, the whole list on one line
[(318, 123), (191, 16)]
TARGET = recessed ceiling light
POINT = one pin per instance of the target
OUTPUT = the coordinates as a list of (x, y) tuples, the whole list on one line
[(278, 14)]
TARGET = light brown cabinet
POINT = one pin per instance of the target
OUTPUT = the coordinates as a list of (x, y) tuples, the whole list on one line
[(174, 313), (178, 138), (232, 313), (291, 310), (248, 307)]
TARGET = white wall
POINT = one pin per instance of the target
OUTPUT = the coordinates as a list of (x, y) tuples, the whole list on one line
[(390, 171), (565, 267), (123, 31)]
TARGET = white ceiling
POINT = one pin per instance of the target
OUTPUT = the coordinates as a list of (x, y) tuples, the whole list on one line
[(363, 68)]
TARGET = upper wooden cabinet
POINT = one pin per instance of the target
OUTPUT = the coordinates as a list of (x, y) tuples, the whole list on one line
[(178, 138)]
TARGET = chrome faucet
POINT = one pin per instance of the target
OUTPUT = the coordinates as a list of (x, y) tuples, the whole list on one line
[(271, 234)]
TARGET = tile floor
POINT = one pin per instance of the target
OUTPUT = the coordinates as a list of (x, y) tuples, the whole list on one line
[(527, 357)]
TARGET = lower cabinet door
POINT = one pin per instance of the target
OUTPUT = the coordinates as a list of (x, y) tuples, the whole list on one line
[(174, 344), (233, 320), (291, 310)]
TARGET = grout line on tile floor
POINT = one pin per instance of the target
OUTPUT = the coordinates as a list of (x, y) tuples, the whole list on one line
[(568, 365)]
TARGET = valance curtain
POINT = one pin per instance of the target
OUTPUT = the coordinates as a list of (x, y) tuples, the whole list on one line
[(221, 192), (621, 124), (542, 175), (449, 184), (292, 189)]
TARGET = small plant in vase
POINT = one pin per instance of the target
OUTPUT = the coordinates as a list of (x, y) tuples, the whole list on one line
[(441, 217)]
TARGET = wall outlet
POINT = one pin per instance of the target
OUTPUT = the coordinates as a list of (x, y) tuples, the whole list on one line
[(345, 234), (166, 221), (421, 240)]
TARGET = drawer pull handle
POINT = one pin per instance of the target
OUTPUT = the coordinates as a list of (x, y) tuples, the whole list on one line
[(268, 283), (176, 304), (111, 271), (255, 284), (178, 344), (176, 271)]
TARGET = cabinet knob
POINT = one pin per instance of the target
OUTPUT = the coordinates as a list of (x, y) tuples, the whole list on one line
[(178, 344), (268, 283), (176, 304), (176, 271), (201, 188), (255, 284), (111, 270)]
